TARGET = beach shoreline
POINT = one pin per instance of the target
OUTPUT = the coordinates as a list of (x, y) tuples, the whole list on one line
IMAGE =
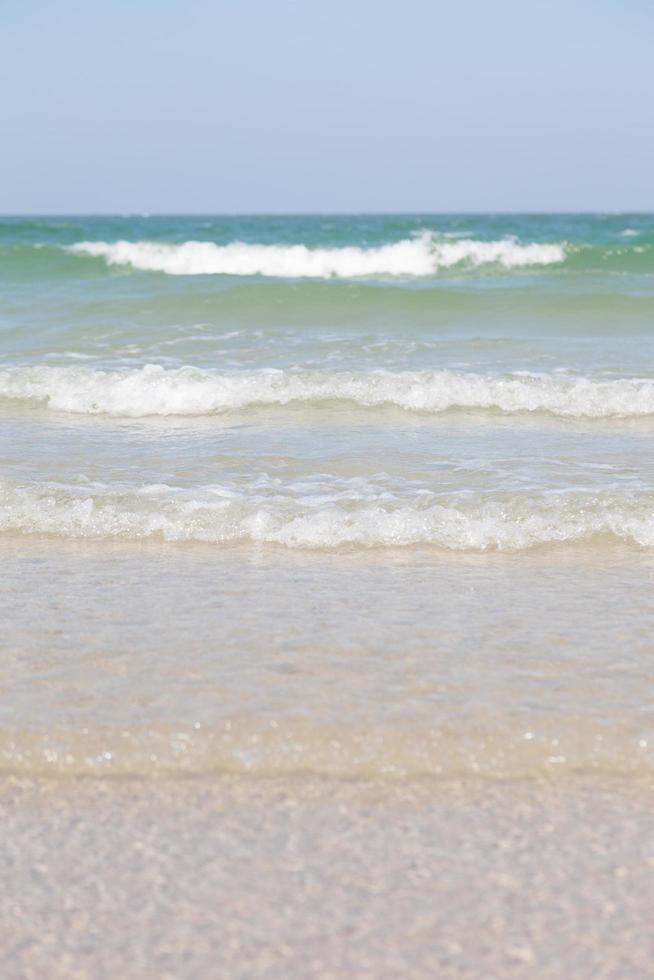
[(326, 605)]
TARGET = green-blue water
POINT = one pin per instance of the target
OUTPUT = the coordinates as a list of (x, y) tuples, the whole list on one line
[(397, 369), (357, 495), (572, 291)]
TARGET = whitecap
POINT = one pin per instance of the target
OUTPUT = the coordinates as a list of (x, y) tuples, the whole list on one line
[(422, 255), (336, 514), (154, 390)]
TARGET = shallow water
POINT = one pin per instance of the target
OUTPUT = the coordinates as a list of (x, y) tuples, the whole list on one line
[(179, 659), (349, 495)]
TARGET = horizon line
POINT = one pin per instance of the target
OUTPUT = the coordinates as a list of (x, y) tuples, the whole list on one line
[(320, 214)]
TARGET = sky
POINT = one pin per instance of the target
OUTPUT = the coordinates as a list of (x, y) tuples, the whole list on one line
[(252, 106)]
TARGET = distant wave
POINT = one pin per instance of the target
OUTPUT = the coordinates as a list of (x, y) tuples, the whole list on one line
[(153, 390), (336, 513), (423, 255)]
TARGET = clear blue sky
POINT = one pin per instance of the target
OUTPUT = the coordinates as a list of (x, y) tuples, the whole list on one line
[(345, 105)]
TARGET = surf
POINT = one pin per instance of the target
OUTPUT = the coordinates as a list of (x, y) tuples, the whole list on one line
[(422, 255), (332, 513), (153, 390)]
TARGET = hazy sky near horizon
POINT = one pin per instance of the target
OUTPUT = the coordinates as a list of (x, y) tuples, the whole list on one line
[(352, 105)]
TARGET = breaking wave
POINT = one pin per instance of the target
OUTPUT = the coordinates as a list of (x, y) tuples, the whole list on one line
[(422, 255), (153, 390), (332, 514)]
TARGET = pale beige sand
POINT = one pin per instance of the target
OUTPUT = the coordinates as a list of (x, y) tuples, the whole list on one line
[(307, 878)]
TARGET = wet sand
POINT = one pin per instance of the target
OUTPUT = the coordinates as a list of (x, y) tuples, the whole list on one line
[(322, 878)]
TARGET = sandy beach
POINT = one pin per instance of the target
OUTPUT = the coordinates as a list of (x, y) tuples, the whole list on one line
[(321, 878)]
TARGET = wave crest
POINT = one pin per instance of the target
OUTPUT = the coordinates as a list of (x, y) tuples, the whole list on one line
[(423, 255), (154, 390), (339, 515)]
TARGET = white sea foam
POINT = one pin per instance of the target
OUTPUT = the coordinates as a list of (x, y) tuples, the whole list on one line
[(422, 255), (340, 513), (154, 390)]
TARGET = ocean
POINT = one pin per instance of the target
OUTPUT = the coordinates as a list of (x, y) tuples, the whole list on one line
[(353, 496)]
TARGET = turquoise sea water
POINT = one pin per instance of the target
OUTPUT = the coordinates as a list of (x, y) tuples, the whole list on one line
[(430, 292), (461, 381), (301, 426)]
